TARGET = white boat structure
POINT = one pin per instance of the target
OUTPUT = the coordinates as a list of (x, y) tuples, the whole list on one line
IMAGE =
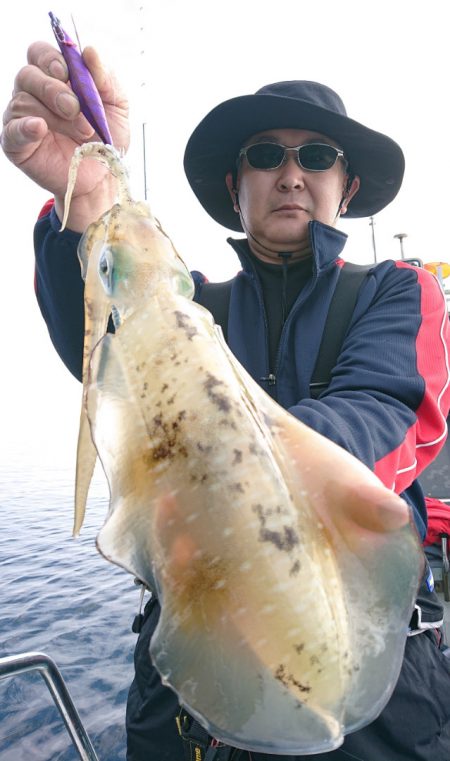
[(25, 662)]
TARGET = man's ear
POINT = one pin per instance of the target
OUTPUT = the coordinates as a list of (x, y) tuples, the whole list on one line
[(349, 193), (232, 191)]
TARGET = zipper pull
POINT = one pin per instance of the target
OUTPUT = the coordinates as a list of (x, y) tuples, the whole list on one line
[(213, 752), (139, 618), (270, 379)]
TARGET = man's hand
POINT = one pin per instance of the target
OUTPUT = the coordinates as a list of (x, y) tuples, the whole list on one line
[(43, 125)]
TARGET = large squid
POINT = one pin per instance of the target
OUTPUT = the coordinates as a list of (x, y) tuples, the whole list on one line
[(285, 570)]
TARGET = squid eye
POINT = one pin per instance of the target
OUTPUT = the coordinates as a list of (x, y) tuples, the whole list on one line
[(104, 265), (106, 269)]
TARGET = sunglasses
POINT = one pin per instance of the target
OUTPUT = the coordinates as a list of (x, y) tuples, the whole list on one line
[(314, 157)]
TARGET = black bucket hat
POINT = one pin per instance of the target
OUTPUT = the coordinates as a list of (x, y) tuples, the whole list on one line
[(214, 145)]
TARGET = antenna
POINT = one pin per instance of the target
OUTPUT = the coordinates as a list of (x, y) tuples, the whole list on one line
[(400, 237)]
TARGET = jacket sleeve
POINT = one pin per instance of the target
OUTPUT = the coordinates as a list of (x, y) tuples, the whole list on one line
[(59, 288), (389, 396)]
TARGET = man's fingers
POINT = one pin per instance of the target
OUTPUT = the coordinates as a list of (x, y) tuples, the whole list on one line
[(18, 134), (98, 71), (48, 59), (23, 104), (108, 86), (46, 81), (56, 96)]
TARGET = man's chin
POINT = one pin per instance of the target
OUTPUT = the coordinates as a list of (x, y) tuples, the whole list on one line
[(297, 242), (289, 230)]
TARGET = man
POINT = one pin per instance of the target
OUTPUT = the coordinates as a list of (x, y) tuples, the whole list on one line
[(282, 165)]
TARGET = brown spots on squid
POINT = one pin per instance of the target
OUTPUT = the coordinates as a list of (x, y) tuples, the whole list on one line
[(217, 397), (174, 359), (194, 478), (225, 423), (288, 680), (184, 322), (204, 449), (164, 450), (237, 459), (285, 538), (315, 661), (167, 433), (158, 420)]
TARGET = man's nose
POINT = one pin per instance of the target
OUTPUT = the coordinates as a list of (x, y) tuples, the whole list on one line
[(291, 174)]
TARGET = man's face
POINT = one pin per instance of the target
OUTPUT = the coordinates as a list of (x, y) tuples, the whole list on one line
[(276, 206)]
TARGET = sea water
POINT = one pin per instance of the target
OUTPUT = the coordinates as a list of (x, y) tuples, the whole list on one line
[(60, 597)]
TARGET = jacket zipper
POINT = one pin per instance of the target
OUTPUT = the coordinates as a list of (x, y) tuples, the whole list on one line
[(303, 296), (270, 379)]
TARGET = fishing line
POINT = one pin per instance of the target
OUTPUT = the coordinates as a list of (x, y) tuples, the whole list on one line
[(143, 94), (76, 32)]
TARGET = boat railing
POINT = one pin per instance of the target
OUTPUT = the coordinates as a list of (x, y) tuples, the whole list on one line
[(25, 662)]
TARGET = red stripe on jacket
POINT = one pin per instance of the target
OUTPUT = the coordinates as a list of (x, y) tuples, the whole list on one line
[(47, 207), (425, 439)]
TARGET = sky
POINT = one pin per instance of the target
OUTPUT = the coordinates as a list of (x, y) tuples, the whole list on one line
[(177, 59)]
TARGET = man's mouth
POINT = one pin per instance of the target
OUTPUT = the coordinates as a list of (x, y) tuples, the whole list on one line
[(289, 207)]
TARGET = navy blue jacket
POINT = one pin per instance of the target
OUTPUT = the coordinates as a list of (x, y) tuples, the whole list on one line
[(389, 395)]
